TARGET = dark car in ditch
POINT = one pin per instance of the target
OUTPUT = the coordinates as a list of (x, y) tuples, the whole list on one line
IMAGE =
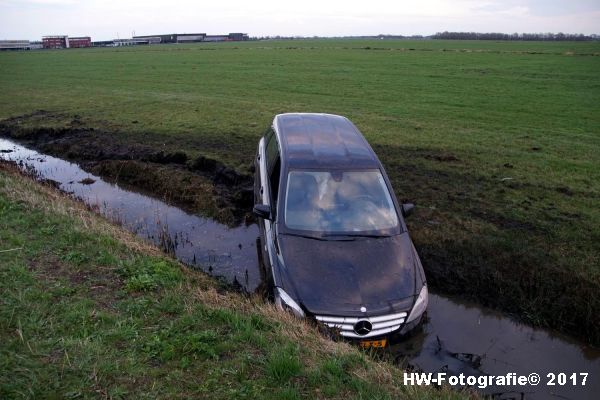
[(333, 241)]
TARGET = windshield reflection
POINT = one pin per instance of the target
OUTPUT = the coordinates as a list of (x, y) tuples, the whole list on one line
[(339, 202)]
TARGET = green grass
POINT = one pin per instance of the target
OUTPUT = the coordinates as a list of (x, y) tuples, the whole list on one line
[(496, 142), (220, 97), (89, 311)]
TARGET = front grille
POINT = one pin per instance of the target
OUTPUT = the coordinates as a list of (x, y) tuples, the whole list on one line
[(381, 325)]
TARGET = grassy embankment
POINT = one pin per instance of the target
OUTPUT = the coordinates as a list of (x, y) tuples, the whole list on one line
[(497, 143), (89, 310)]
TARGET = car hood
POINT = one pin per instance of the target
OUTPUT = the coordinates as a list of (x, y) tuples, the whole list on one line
[(338, 277)]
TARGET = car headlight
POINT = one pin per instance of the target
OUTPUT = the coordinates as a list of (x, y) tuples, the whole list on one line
[(284, 301), (420, 305)]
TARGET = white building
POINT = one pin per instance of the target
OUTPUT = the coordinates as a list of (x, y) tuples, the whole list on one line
[(14, 44)]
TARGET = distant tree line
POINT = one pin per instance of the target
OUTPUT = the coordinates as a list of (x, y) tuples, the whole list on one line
[(514, 36), (382, 36), (453, 35)]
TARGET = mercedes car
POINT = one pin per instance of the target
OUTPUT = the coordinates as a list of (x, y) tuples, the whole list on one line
[(333, 241)]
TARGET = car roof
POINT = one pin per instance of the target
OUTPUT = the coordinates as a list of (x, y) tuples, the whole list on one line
[(322, 141)]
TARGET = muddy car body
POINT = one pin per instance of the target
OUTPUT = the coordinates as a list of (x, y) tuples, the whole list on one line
[(333, 241)]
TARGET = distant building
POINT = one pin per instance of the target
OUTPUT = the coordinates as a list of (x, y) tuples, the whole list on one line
[(216, 38), (167, 38), (238, 37), (150, 40), (36, 45), (191, 37), (14, 44), (65, 42), (232, 37), (56, 42), (129, 42), (84, 41), (103, 43)]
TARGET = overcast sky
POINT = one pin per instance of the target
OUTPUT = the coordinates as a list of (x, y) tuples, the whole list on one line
[(109, 19)]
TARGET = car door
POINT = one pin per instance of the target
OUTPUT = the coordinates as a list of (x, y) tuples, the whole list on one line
[(260, 187), (273, 169), (270, 181)]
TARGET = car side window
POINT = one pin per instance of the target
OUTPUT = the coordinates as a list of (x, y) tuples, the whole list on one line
[(268, 135), (274, 184), (273, 169), (272, 151)]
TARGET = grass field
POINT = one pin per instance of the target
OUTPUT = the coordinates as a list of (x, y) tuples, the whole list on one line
[(497, 143), (89, 311)]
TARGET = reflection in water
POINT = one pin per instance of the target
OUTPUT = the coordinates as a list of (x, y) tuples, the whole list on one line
[(197, 241), (461, 337), (458, 337)]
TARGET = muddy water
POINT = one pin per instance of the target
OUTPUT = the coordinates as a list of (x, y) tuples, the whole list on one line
[(462, 337), (458, 337), (197, 241)]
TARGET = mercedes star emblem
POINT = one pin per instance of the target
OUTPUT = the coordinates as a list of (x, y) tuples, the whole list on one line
[(362, 327)]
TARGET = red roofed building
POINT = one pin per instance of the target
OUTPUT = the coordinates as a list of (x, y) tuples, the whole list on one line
[(65, 42), (84, 41), (55, 42)]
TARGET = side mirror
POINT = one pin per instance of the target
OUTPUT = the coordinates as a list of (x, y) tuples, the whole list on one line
[(407, 209), (262, 211)]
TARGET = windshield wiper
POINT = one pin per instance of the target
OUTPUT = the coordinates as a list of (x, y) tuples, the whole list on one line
[(357, 235), (305, 236), (337, 236)]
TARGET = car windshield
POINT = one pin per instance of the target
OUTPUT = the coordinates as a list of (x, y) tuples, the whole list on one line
[(340, 202)]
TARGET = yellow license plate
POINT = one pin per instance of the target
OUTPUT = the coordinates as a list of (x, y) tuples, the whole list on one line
[(365, 344)]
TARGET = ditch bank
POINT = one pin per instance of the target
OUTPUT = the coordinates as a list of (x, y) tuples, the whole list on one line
[(487, 269), (457, 337), (200, 184), (480, 244)]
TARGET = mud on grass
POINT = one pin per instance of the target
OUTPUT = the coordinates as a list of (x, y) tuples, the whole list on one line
[(199, 184)]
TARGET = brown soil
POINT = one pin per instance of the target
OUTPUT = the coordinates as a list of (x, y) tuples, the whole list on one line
[(99, 283), (200, 184)]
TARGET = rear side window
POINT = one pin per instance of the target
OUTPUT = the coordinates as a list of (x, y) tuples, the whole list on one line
[(268, 135), (272, 152)]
